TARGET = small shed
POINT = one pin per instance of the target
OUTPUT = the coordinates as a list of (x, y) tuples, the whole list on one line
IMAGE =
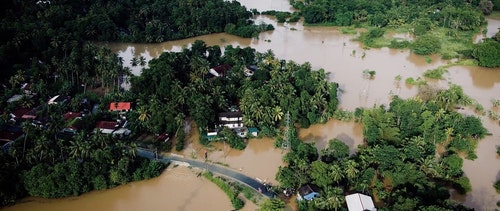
[(307, 192), (359, 202)]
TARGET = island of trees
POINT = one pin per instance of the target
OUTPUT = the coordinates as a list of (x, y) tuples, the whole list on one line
[(413, 147)]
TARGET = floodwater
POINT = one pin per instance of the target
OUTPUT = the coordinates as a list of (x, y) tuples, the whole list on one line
[(344, 60), (176, 189)]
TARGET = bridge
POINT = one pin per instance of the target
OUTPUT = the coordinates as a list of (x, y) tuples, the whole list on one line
[(216, 169)]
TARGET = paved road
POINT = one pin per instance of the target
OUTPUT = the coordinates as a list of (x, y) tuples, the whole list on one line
[(216, 169)]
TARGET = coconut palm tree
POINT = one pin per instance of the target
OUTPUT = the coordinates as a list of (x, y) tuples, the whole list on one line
[(142, 61), (332, 200), (134, 61), (336, 172), (350, 169), (277, 113), (143, 113)]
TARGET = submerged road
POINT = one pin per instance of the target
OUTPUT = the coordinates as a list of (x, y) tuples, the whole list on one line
[(216, 169)]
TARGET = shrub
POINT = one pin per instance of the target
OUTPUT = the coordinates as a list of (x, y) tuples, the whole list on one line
[(435, 73), (487, 53), (426, 45), (462, 184), (497, 186), (181, 135), (100, 183), (399, 44)]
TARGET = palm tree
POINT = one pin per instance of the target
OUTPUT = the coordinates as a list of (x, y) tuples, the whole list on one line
[(133, 149), (277, 113), (143, 113), (428, 166), (448, 132), (142, 61), (333, 199), (350, 169), (134, 61), (336, 172)]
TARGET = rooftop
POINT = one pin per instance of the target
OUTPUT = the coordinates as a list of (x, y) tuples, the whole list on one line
[(119, 106)]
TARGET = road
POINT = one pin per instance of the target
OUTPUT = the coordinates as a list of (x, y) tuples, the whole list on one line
[(216, 169)]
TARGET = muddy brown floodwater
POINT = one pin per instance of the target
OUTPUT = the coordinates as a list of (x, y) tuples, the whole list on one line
[(344, 60)]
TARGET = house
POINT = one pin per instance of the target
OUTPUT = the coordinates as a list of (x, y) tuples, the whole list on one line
[(232, 119), (359, 202), (73, 122), (58, 99), (15, 98), (244, 131), (250, 70), (120, 106), (26, 88), (111, 127), (307, 192), (17, 114), (220, 70), (106, 127)]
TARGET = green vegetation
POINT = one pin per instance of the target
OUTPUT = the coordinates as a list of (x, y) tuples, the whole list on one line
[(231, 191), (274, 204), (435, 73), (418, 82), (53, 38), (283, 16), (60, 167), (497, 186), (348, 30), (487, 53), (413, 150), (446, 28), (370, 74)]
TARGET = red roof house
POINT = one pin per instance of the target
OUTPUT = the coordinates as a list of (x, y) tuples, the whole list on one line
[(119, 106)]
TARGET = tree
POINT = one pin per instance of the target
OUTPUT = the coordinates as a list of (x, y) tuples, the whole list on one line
[(486, 6), (335, 151), (426, 45), (143, 113), (320, 174), (336, 173), (277, 113), (331, 199), (487, 53)]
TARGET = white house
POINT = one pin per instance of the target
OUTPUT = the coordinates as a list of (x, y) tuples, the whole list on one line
[(359, 202), (233, 119)]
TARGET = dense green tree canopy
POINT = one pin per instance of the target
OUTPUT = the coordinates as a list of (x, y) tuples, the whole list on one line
[(413, 152)]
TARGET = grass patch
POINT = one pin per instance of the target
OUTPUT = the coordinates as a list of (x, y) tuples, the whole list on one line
[(435, 73), (348, 30), (464, 62), (494, 15), (416, 82), (453, 41), (229, 189)]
